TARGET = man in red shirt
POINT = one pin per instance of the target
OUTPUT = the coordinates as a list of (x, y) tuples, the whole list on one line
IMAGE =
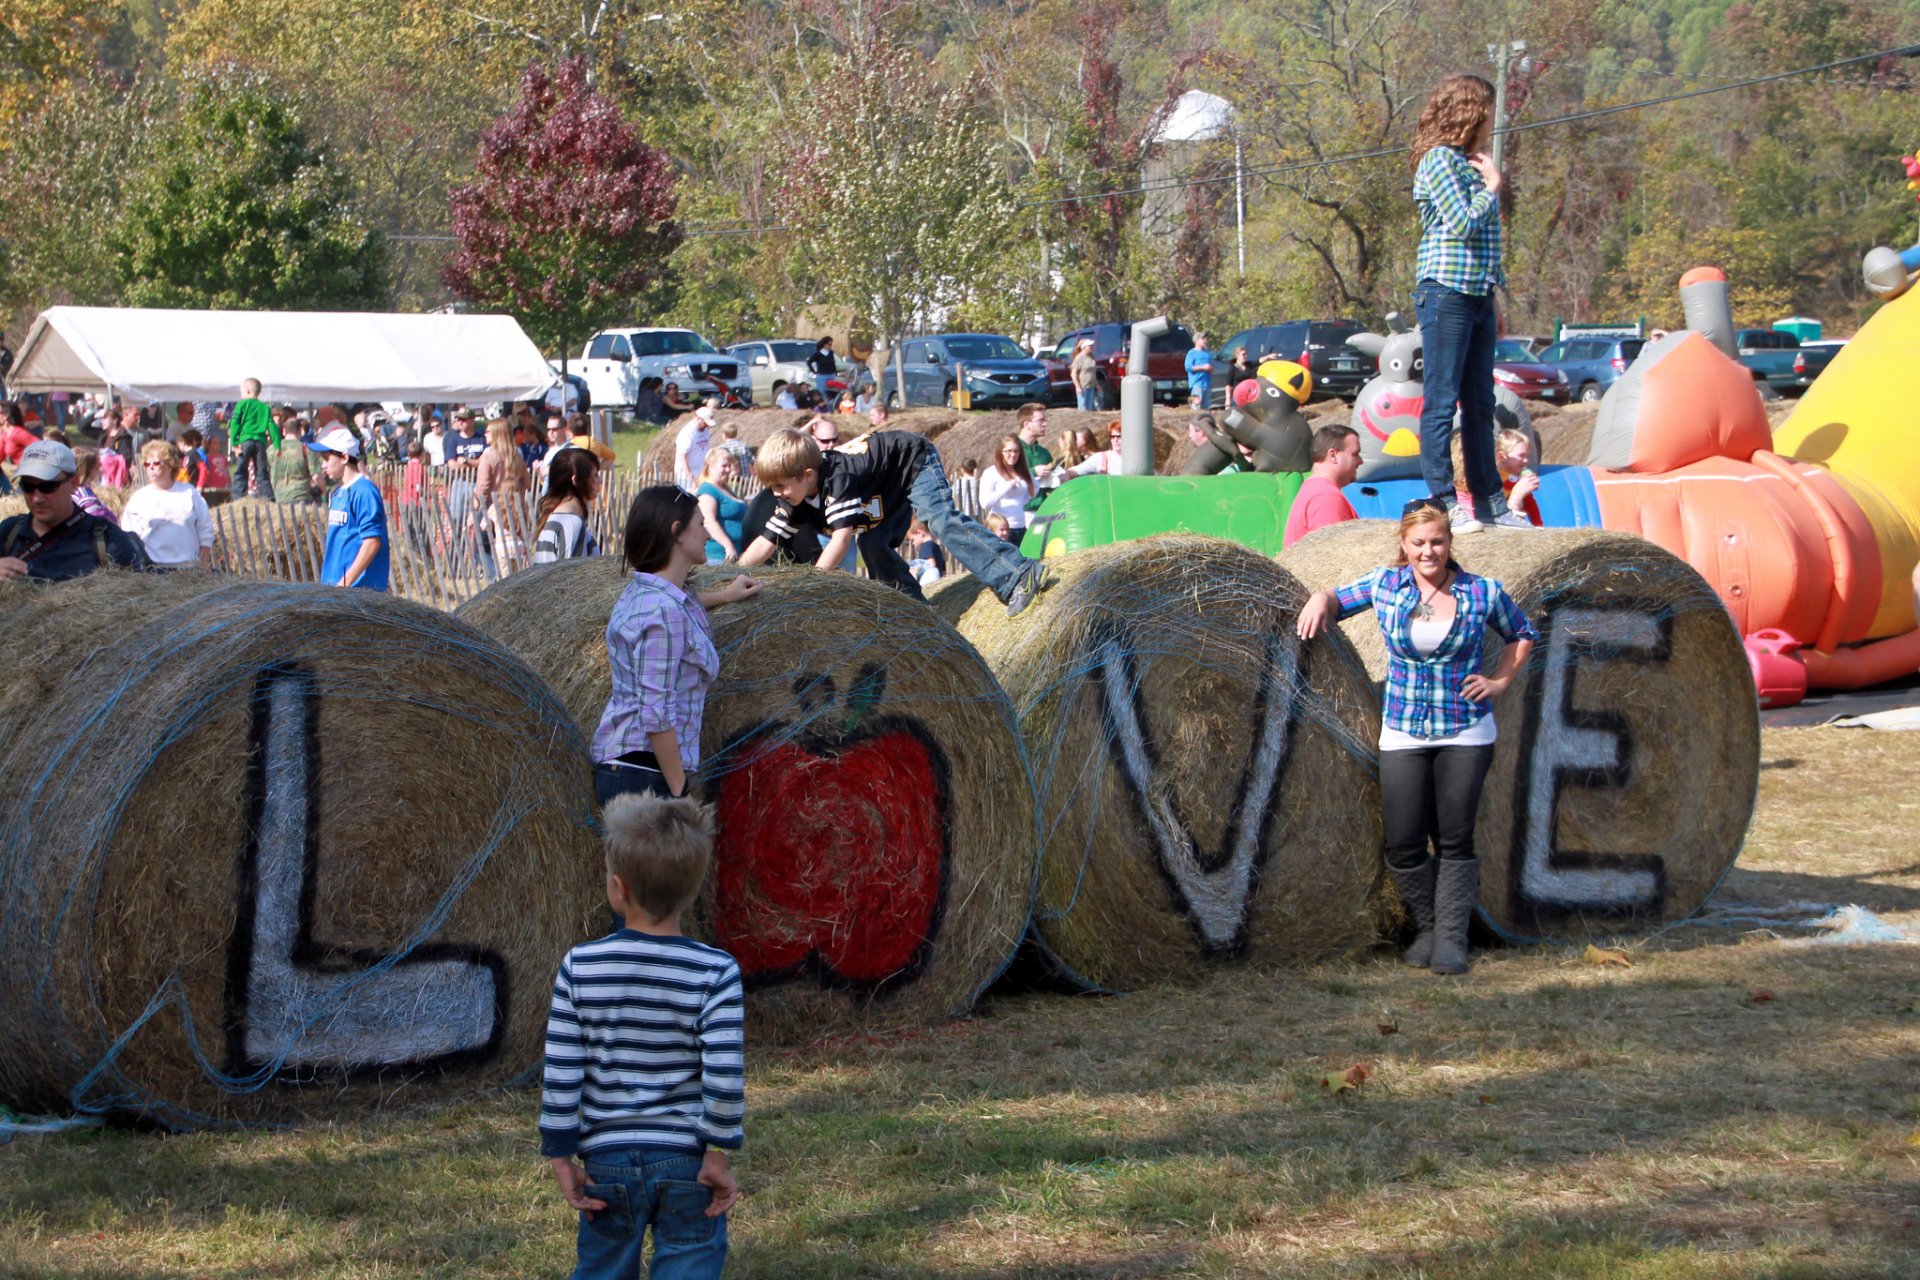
[(1336, 460)]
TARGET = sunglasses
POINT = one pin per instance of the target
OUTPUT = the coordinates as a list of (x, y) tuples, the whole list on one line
[(1424, 504), (29, 485)]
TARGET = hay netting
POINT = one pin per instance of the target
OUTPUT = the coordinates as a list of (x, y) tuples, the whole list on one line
[(276, 851), (876, 847), (1205, 782), (1629, 746), (260, 538)]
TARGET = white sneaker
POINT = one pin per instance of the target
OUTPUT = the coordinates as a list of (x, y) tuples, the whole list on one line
[(1464, 521), (1509, 520)]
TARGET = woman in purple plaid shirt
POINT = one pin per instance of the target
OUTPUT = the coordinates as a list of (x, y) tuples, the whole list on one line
[(1436, 727), (660, 647)]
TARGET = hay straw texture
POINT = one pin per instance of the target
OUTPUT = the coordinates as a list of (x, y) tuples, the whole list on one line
[(285, 542), (274, 852), (1204, 783), (877, 843), (1629, 748)]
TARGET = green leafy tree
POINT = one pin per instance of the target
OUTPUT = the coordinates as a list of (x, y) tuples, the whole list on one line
[(239, 211), (897, 207)]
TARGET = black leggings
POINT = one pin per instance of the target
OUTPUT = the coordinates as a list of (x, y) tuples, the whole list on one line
[(1431, 794)]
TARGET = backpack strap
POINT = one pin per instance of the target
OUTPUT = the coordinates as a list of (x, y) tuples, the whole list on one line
[(13, 536), (100, 558)]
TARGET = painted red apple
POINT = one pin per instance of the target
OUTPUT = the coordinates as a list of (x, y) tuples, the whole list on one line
[(833, 859)]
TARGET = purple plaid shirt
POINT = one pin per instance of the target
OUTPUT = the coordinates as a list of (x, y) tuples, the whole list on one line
[(660, 646), (1423, 695)]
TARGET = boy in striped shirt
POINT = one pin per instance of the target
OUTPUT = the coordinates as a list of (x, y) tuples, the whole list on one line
[(644, 1074)]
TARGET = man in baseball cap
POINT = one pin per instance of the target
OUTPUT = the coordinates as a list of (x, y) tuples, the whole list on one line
[(356, 554), (55, 539)]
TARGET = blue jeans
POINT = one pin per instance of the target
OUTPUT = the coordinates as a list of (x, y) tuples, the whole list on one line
[(999, 565), (642, 1188), (1456, 337), (1089, 398)]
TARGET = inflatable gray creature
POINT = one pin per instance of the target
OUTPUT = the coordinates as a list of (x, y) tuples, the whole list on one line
[(1386, 413), (1263, 413)]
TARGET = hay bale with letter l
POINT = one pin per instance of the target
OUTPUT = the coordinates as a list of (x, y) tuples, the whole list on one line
[(876, 841), (275, 851), (1629, 746), (1204, 783)]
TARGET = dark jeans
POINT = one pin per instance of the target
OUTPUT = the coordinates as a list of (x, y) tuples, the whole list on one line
[(1431, 794), (252, 458), (610, 780), (649, 1188), (1456, 339), (996, 563)]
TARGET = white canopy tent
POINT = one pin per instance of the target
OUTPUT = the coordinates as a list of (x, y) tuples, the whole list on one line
[(300, 357)]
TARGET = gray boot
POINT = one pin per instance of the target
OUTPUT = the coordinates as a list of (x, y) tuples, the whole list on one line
[(1455, 888), (1416, 894)]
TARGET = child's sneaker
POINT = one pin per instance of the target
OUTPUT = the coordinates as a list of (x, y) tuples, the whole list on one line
[(1028, 589), (1509, 520), (1462, 519)]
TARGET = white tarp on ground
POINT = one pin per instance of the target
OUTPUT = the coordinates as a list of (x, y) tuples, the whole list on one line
[(300, 357)]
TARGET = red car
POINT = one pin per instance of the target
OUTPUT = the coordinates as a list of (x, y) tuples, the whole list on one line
[(1515, 369)]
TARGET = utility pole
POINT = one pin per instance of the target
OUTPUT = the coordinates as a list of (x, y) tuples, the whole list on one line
[(1502, 55)]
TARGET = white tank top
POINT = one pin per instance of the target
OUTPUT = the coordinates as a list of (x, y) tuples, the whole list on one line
[(1427, 635)]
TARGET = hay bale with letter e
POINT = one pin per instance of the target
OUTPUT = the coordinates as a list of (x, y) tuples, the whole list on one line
[(1629, 745), (1204, 784), (276, 852), (876, 842)]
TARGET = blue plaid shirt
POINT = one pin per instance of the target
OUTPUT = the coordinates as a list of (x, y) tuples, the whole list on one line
[(1460, 225), (1423, 693), (660, 649)]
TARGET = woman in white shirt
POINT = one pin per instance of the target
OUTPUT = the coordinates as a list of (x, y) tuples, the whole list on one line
[(168, 516), (1006, 487), (1104, 463)]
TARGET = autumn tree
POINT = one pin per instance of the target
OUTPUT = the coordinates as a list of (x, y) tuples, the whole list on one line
[(569, 216), (238, 211), (894, 205)]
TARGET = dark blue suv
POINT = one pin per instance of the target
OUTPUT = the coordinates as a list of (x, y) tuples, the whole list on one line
[(1591, 362), (995, 370)]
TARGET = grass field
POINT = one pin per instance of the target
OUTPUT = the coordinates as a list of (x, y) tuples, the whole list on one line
[(1729, 1105)]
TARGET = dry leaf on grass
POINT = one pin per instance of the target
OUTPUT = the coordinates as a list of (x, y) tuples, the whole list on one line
[(1389, 1028), (1606, 958), (1352, 1078), (1759, 995)]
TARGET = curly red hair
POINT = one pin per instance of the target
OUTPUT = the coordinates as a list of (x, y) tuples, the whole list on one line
[(1457, 110)]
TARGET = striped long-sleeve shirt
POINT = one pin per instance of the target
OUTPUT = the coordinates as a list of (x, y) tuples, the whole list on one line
[(644, 1048), (1460, 245)]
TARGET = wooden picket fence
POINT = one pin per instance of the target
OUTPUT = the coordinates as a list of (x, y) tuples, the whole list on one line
[(436, 551)]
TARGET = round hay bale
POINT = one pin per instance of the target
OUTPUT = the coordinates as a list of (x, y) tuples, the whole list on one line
[(876, 840), (258, 538), (1629, 748), (1206, 790), (276, 851), (757, 424)]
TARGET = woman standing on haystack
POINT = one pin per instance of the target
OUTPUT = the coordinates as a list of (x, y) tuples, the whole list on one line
[(1436, 727), (1456, 188), (660, 647)]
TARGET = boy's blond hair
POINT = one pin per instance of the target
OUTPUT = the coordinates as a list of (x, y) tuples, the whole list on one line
[(997, 522), (251, 387), (660, 848), (787, 455), (1503, 441)]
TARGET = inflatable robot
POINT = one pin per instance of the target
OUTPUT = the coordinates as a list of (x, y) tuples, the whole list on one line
[(1386, 413), (1887, 273), (1263, 413)]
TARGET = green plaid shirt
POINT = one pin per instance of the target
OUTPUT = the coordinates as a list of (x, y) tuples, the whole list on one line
[(1460, 221)]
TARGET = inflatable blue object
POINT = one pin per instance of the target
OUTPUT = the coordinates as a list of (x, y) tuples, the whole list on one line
[(1566, 497)]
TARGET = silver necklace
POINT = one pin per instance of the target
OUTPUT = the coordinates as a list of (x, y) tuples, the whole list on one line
[(1424, 610)]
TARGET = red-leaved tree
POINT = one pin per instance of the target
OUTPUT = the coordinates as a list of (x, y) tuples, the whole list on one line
[(569, 215)]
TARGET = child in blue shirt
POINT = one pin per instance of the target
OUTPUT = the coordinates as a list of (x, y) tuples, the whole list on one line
[(356, 554)]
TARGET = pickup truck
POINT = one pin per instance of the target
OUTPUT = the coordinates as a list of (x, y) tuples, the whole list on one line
[(1778, 357), (617, 360)]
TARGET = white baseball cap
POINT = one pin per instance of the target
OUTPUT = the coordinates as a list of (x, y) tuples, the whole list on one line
[(47, 460), (338, 440), (707, 414)]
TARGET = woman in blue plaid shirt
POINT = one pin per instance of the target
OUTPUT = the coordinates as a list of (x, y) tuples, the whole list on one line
[(1456, 188), (1436, 727), (660, 648)]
